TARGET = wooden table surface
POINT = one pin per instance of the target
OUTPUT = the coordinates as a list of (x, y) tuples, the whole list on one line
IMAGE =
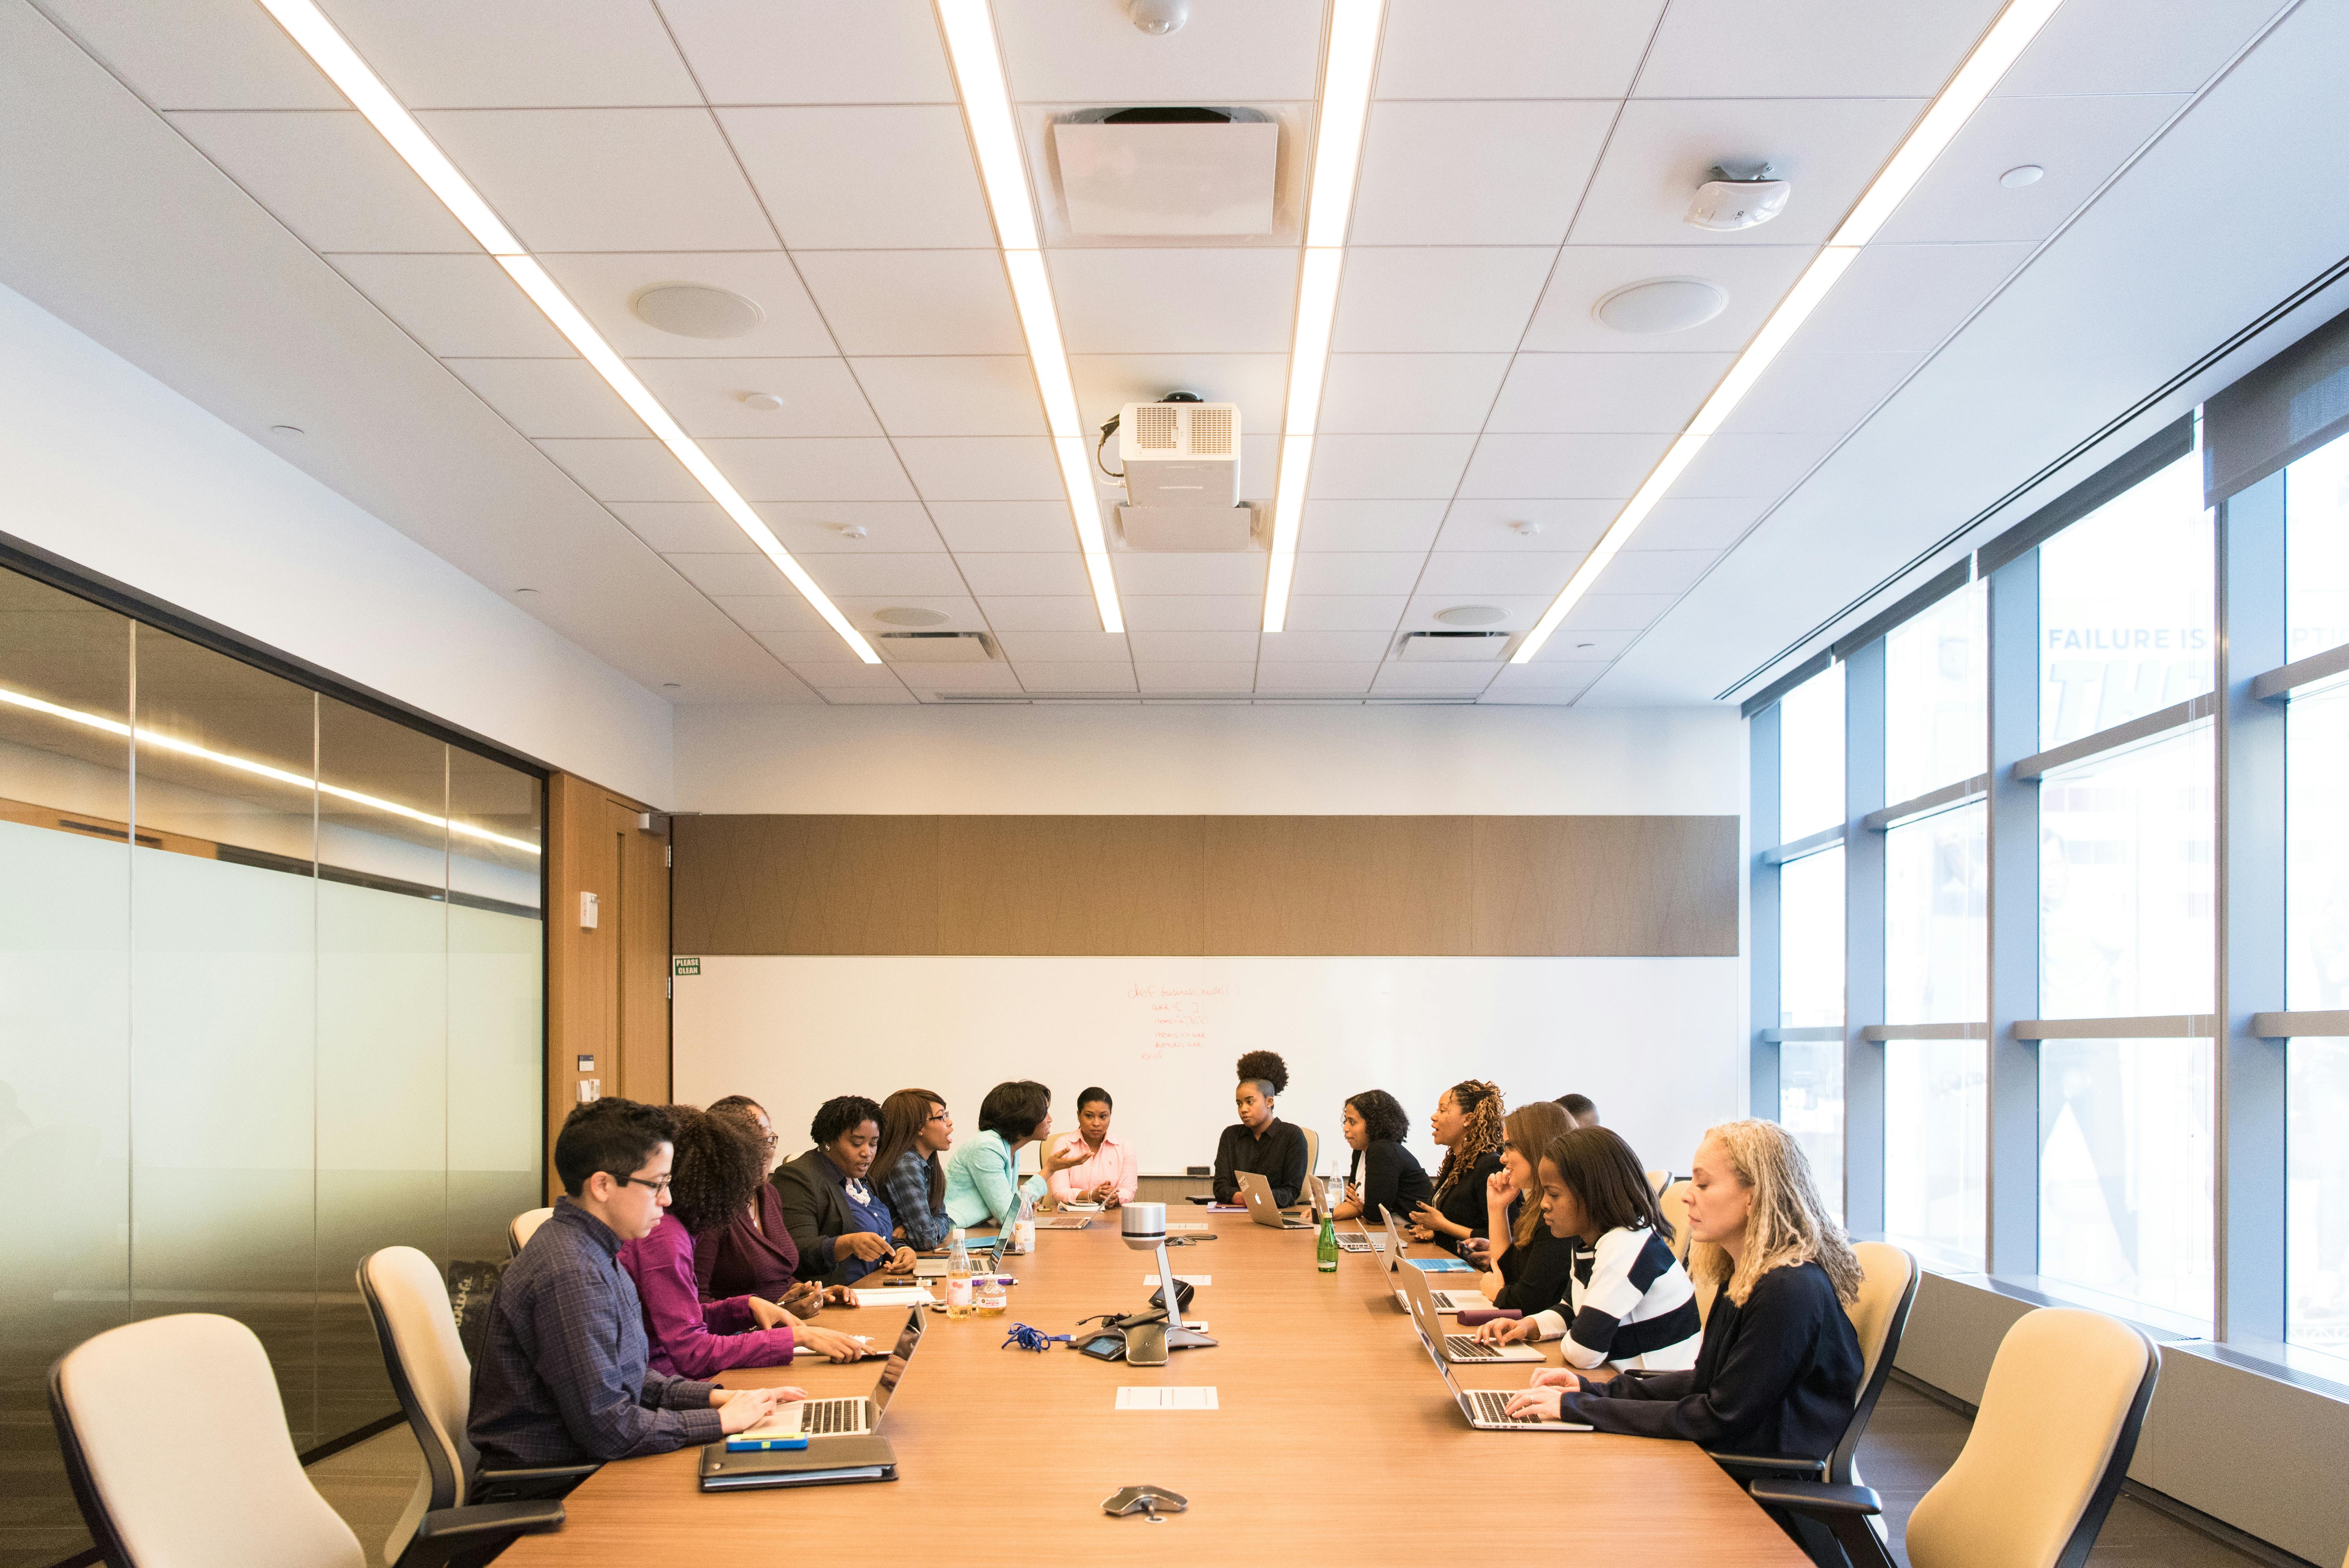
[(1334, 1437)]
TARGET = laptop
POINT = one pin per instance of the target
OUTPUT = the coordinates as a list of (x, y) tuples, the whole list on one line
[(854, 1416), (1256, 1193), (1445, 1300), (1466, 1349), (1486, 1408)]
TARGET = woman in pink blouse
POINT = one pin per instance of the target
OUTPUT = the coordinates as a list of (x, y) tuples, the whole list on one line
[(1108, 1174), (720, 1163)]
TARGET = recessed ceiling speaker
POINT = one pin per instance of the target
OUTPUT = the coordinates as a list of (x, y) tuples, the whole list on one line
[(695, 310), (764, 402), (1471, 615), (910, 615), (2021, 175), (1662, 304)]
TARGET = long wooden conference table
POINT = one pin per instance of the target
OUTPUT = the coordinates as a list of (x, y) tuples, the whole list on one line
[(1332, 1439)]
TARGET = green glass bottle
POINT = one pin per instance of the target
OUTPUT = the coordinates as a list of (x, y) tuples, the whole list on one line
[(1325, 1251)]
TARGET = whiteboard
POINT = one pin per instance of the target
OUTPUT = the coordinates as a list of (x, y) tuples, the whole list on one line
[(1655, 1041)]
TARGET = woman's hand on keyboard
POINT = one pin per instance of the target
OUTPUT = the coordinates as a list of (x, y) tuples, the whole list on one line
[(1556, 1377), (1541, 1403), (1507, 1330), (827, 1342), (739, 1410)]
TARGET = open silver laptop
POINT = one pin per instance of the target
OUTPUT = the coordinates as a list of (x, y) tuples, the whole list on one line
[(1466, 1349), (1445, 1300), (856, 1415), (1486, 1408), (1256, 1193)]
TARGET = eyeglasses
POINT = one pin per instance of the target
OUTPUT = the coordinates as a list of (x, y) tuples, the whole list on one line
[(659, 1184), (940, 1115)]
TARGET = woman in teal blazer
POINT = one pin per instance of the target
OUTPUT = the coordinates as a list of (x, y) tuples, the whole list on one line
[(983, 1186)]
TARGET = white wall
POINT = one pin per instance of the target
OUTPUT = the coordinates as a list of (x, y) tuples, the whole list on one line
[(107, 466), (1185, 759)]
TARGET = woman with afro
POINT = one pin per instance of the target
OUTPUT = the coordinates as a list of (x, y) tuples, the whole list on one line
[(1260, 1141)]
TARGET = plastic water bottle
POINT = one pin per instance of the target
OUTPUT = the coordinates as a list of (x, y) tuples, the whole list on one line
[(1325, 1251), (1023, 1239), (957, 1276)]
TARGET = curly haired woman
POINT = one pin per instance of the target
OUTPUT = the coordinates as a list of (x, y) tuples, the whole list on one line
[(1385, 1177), (1260, 1141), (720, 1163), (1467, 1125)]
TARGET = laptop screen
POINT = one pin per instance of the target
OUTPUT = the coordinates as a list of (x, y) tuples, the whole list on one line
[(894, 1369)]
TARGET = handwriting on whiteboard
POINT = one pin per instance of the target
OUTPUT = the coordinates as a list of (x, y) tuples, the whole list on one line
[(1175, 1017)]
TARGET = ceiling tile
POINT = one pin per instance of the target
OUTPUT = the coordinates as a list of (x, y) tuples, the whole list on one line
[(606, 179), (1344, 611), (796, 648), (1476, 174), (1679, 522), (1808, 391), (1436, 677), (1518, 611), (1751, 465), (812, 51), (1053, 676), (880, 576), (1662, 150), (1571, 647), (517, 53), (914, 302), (1259, 383), (1409, 393), (1540, 525), (1358, 571), (1809, 48), (1908, 298), (2079, 141), (1513, 48), (1200, 300), (956, 395), (1064, 648), (960, 612), (1438, 299), (623, 471), (1286, 677), (602, 287), (835, 676), (1553, 680), (683, 527), (981, 468), (816, 527), (1655, 571), (1755, 277), (1377, 467), (1192, 612), (549, 397), (1397, 525), (1571, 466), (454, 304), (1061, 612), (864, 176), (959, 677), (198, 53), (1496, 695), (757, 612), (814, 469), (1310, 647), (1197, 676), (970, 526), (1606, 392), (1481, 573), (1193, 648), (730, 575), (1077, 51), (1616, 611), (2104, 46), (1062, 572), (1189, 573), (875, 698), (330, 178), (819, 397)]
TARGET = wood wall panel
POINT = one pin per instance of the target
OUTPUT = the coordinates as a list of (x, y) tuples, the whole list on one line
[(1605, 886), (807, 884), (1086, 886), (1310, 886)]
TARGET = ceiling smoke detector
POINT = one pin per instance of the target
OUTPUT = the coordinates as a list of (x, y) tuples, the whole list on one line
[(2021, 175), (1739, 196), (695, 310), (1662, 304), (1158, 17), (764, 402)]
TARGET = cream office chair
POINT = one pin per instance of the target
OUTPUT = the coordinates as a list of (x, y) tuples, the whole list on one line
[(526, 1225), (1658, 1180), (432, 1379), (175, 1442), (2057, 1428), (1672, 1203)]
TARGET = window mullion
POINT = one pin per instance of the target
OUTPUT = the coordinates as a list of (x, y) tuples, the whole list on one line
[(2012, 1229), (1863, 925), (1762, 916)]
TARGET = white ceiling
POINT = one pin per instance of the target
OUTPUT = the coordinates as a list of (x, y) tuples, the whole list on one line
[(1481, 427)]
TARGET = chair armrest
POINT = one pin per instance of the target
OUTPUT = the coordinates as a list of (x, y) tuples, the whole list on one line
[(534, 1481), (1762, 1466), (1816, 1499), (444, 1532)]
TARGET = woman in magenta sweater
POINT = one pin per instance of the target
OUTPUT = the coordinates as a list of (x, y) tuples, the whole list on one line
[(720, 1163)]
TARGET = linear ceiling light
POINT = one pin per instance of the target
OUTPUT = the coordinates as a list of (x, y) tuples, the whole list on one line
[(258, 769), (1999, 48), (969, 26), (333, 53), (1345, 104)]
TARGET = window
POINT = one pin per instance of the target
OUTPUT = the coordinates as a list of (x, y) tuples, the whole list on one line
[(1810, 991), (2316, 546), (2124, 1171), (1936, 907), (1810, 756), (1937, 697)]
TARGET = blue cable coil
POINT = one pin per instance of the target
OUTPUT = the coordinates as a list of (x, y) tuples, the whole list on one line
[(1036, 1339)]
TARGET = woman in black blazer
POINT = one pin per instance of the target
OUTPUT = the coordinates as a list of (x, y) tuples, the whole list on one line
[(1385, 1178), (839, 1218), (1467, 1125)]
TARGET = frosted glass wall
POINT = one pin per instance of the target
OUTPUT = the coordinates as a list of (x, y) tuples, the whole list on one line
[(271, 970)]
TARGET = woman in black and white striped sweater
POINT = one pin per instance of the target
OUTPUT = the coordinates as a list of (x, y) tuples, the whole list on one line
[(1628, 1303)]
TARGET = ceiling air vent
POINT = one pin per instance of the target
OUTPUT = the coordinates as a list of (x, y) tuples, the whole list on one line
[(1162, 171), (935, 647), (1453, 647)]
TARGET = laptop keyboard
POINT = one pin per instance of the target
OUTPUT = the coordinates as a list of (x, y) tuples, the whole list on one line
[(828, 1418), (1466, 1349), (1495, 1408)]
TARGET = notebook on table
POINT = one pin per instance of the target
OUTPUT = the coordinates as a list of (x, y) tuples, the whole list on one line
[(828, 1461)]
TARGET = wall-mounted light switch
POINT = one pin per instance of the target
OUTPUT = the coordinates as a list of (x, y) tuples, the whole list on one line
[(588, 912), (586, 1064)]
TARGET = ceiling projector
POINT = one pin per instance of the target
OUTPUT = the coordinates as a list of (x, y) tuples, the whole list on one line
[(1739, 197), (1181, 462)]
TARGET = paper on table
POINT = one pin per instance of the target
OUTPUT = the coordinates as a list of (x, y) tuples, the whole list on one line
[(1197, 1282), (1186, 1224), (1227, 1208), (1130, 1398), (892, 1295)]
